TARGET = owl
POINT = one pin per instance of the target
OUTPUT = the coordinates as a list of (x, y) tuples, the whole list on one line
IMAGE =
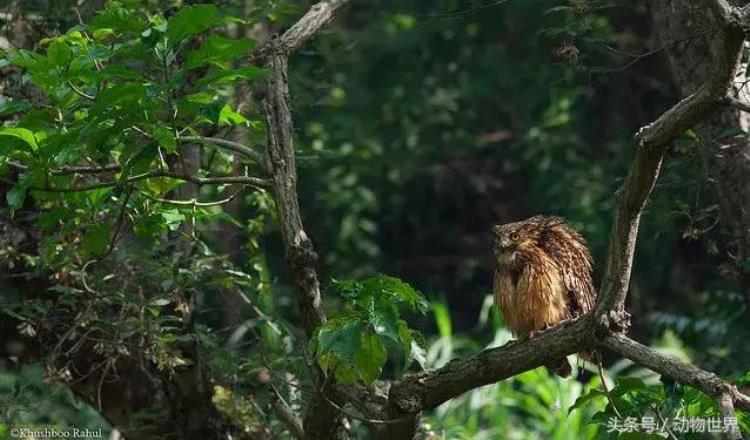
[(542, 276)]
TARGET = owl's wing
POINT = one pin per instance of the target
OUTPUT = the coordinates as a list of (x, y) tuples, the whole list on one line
[(580, 295), (569, 251)]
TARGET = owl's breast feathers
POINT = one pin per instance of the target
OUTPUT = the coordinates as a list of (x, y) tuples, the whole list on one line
[(551, 283)]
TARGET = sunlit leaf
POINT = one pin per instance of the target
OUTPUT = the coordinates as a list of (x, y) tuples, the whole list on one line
[(24, 134)]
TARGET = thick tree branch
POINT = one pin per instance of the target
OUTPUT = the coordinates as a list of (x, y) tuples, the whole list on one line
[(321, 421), (727, 396), (318, 16), (428, 389), (736, 103)]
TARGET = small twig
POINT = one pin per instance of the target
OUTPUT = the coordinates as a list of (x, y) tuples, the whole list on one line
[(194, 202), (247, 180), (285, 413), (80, 92), (663, 422), (229, 145)]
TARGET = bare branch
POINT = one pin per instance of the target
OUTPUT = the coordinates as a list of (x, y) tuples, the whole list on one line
[(246, 180), (428, 389), (193, 202), (68, 170), (318, 16), (286, 415), (229, 145)]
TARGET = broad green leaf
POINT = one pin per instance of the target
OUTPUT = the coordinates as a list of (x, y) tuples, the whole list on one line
[(149, 226), (102, 34), (230, 117), (218, 50), (191, 20), (118, 19), (406, 341), (173, 218), (385, 320), (165, 137), (29, 60), (586, 398), (59, 53), (396, 290), (626, 384), (163, 185), (16, 196), (370, 358), (24, 134), (96, 239), (126, 95)]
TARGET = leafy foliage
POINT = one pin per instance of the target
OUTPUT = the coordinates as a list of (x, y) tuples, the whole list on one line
[(353, 345)]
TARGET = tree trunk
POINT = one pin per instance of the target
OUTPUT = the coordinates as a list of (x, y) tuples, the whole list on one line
[(685, 28)]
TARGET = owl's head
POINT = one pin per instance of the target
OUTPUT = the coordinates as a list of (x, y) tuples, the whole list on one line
[(512, 241)]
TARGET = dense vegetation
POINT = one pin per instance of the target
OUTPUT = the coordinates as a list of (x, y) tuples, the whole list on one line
[(142, 246)]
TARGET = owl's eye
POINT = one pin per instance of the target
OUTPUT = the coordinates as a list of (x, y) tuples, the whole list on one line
[(514, 236)]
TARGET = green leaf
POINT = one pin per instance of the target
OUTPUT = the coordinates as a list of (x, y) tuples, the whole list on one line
[(173, 218), (191, 20), (125, 95), (418, 351), (103, 33), (59, 53), (442, 319), (230, 117), (9, 108), (24, 134), (336, 344), (29, 60), (396, 290), (586, 398), (16, 196), (385, 321), (118, 19), (627, 384), (218, 50), (230, 75), (96, 239), (370, 358), (165, 137)]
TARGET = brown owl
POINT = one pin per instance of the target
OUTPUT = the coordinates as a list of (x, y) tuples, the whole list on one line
[(542, 276)]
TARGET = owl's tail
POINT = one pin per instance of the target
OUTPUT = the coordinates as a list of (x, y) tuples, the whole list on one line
[(561, 367)]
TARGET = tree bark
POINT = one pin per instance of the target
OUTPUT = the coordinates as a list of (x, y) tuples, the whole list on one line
[(725, 156)]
